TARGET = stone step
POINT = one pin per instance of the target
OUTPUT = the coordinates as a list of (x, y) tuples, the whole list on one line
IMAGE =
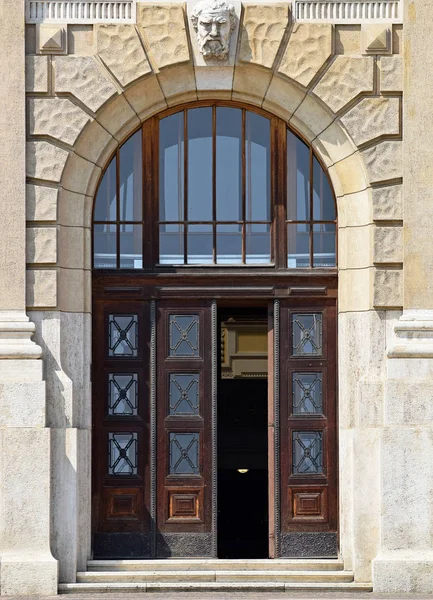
[(179, 564), (211, 576), (270, 586)]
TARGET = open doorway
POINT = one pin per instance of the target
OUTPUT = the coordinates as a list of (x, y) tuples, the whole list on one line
[(242, 434)]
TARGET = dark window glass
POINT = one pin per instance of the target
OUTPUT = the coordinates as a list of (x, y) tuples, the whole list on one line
[(183, 336), (200, 173), (184, 393), (184, 453), (258, 167), (130, 175), (122, 453), (228, 164), (171, 168), (123, 335), (105, 202), (307, 452)]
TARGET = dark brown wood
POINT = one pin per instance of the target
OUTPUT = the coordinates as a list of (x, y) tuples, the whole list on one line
[(271, 433)]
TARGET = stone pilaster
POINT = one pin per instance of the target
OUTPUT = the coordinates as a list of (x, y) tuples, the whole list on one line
[(405, 562), (27, 566)]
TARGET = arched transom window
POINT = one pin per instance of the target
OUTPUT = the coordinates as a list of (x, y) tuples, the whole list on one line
[(214, 185)]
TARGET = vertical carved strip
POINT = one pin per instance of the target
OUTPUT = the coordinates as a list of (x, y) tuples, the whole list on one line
[(277, 425), (214, 427), (153, 427)]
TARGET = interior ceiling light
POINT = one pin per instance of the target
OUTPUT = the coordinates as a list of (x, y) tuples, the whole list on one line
[(243, 471)]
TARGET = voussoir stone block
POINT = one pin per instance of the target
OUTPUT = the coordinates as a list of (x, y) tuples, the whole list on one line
[(347, 77), (388, 245), (391, 73), (282, 97), (384, 161), (387, 203), (83, 77), (57, 117), (41, 203), (36, 73), (388, 288), (45, 161), (309, 47), (41, 288), (163, 27), (41, 245), (372, 118), (263, 28), (121, 50)]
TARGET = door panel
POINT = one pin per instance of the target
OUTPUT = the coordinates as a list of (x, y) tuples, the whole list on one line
[(308, 428), (184, 429)]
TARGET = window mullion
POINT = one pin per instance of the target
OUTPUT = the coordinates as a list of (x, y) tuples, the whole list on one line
[(185, 187), (214, 215), (244, 181), (118, 208), (311, 207)]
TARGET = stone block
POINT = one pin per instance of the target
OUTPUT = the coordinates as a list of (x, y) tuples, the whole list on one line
[(118, 118), (75, 290), (36, 74), (311, 118), (370, 405), (348, 39), (51, 38), (346, 78), (263, 27), (74, 248), (354, 248), (214, 82), (391, 73), (56, 117), (282, 97), (309, 47), (84, 78), (71, 208), (376, 38), (41, 245), (41, 288), (354, 290), (354, 210), (178, 84), (45, 161), (250, 82), (81, 40), (120, 48), (384, 161), (408, 402), (11, 370), (348, 175), (333, 144), (146, 97), (41, 203), (79, 174), (403, 573), (388, 288), (387, 203), (94, 143), (372, 118), (163, 28), (388, 244), (22, 404)]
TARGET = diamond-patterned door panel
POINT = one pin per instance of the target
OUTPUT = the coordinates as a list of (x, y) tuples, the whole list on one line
[(123, 335), (307, 452), (183, 336), (123, 394), (307, 334), (122, 453), (307, 393), (184, 453), (184, 393)]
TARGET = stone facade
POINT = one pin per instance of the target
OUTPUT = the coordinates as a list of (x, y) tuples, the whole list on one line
[(347, 88)]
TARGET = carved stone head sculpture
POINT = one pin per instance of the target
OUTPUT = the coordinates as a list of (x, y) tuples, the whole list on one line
[(214, 21)]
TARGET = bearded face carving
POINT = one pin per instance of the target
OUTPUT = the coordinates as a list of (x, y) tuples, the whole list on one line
[(213, 22)]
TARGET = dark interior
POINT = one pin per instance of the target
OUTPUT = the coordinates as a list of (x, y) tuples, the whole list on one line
[(242, 444)]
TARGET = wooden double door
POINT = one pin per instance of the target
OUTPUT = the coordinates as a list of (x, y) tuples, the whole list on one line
[(156, 370)]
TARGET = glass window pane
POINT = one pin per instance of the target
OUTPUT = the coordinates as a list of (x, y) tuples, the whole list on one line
[(324, 245), (229, 244), (228, 164), (131, 246), (307, 393), (122, 453), (323, 199), (258, 243), (123, 335), (104, 246), (307, 334), (258, 167), (307, 452), (105, 203), (200, 164), (171, 168), (183, 335), (200, 245), (298, 245), (298, 179), (171, 244), (123, 394), (184, 453), (130, 174), (184, 393)]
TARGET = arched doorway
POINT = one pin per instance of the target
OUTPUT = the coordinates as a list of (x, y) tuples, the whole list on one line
[(214, 283)]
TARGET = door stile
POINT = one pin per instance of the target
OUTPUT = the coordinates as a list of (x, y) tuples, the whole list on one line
[(273, 428), (152, 376), (214, 417)]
